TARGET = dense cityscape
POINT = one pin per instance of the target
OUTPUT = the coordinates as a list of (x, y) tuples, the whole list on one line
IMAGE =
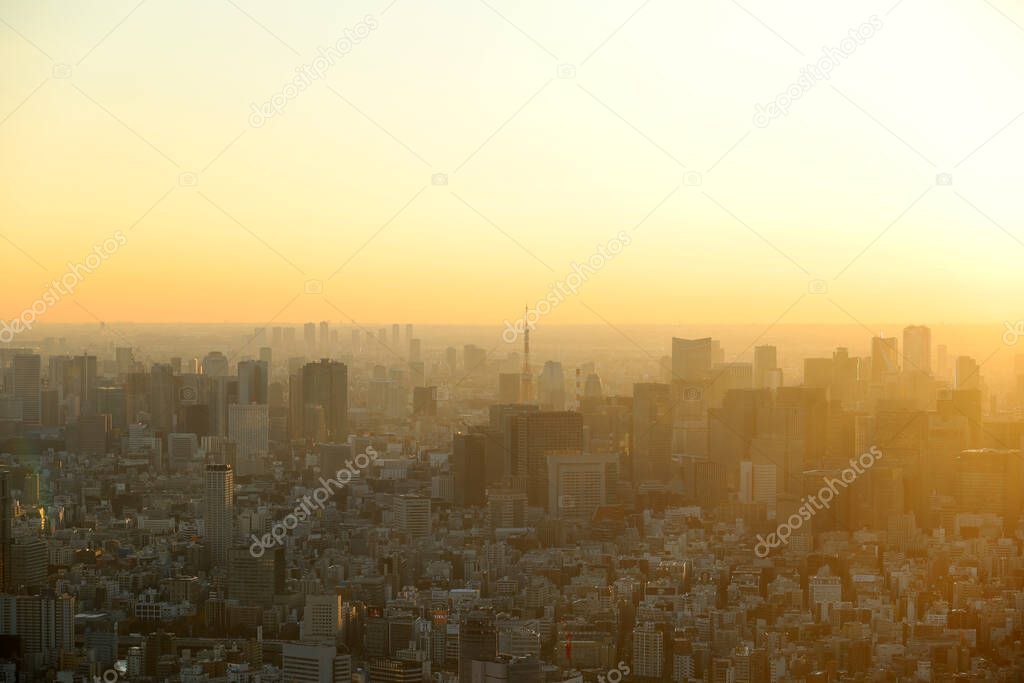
[(336, 503)]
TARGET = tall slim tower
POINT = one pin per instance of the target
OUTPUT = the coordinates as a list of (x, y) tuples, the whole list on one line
[(27, 387), (526, 380), (219, 513)]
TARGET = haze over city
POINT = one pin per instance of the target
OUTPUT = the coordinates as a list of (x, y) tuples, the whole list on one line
[(480, 341)]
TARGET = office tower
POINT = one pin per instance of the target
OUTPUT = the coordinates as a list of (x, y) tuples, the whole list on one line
[(917, 349), (181, 449), (408, 332), (322, 618), (845, 372), (44, 625), (254, 579), (325, 336), (450, 360), (162, 399), (223, 393), (277, 336), (799, 429), (651, 449), (315, 664), (29, 565), (79, 384), (111, 401), (412, 515), (478, 641), (249, 427), (765, 359), (534, 436), (966, 374), (219, 512), (6, 529), (253, 380), (691, 358), (551, 387), (579, 484), (757, 483), (395, 335), (508, 387), (474, 360), (387, 670), (506, 508), (28, 388), (319, 396), (884, 359), (309, 337), (93, 434), (424, 401), (215, 364), (649, 651), (989, 481), (732, 429), (415, 351), (267, 355), (469, 468)]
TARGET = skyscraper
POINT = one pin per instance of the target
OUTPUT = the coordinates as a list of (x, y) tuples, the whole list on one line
[(917, 349), (469, 468), (885, 360), (320, 392), (252, 381), (765, 359), (219, 512), (691, 358), (651, 452), (534, 436), (27, 388)]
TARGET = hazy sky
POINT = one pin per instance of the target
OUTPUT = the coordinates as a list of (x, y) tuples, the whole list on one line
[(104, 105)]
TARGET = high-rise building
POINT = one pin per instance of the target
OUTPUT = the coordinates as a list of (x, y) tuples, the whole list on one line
[(478, 641), (254, 580), (6, 529), (219, 512), (765, 360), (917, 349), (322, 618), (534, 436), (319, 397), (966, 374), (314, 664), (551, 387), (249, 428), (215, 364), (469, 468), (651, 451), (412, 515), (309, 337), (581, 483), (885, 359), (28, 388), (691, 358), (253, 381)]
